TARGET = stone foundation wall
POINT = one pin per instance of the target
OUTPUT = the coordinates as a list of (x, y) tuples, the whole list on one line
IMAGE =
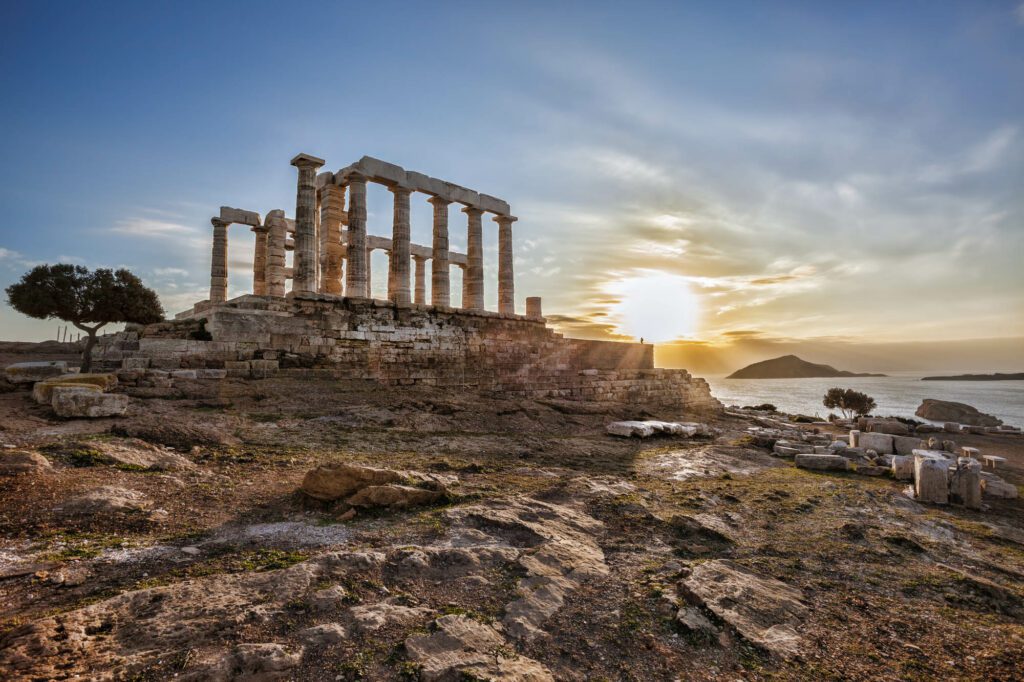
[(322, 336)]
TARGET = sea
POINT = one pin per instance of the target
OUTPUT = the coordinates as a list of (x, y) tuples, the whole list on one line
[(897, 395)]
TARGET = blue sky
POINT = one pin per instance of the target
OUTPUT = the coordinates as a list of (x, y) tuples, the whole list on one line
[(846, 171)]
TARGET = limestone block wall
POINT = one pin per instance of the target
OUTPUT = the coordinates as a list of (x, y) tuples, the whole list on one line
[(320, 335)]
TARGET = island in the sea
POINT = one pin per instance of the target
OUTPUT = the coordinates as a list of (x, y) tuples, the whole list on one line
[(1018, 376), (791, 367)]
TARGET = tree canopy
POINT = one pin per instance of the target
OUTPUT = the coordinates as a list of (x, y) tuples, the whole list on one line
[(87, 299), (849, 401)]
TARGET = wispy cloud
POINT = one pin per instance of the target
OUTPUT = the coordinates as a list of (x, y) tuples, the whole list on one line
[(152, 227), (170, 272), (793, 220)]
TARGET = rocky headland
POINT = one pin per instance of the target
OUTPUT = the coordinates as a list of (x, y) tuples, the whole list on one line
[(791, 367)]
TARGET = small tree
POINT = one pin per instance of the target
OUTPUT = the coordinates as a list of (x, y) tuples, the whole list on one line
[(850, 402), (88, 300)]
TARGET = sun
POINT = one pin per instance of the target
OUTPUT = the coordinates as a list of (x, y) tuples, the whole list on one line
[(655, 306)]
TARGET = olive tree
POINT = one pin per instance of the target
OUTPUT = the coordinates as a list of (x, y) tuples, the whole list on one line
[(87, 299), (849, 401)]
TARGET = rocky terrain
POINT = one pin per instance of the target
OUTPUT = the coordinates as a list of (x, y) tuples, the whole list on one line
[(320, 530)]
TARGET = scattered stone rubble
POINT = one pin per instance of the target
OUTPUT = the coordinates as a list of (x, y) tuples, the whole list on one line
[(72, 395), (941, 472), (645, 429)]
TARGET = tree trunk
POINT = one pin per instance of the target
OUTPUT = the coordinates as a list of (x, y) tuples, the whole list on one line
[(90, 342)]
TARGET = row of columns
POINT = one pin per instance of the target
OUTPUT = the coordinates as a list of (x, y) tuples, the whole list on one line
[(269, 263), (357, 271)]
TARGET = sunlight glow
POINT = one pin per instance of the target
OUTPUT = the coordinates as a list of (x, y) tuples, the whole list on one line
[(655, 306)]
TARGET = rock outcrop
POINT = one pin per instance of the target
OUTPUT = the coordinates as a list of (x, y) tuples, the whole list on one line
[(363, 486), (949, 411), (17, 462), (764, 611), (462, 648)]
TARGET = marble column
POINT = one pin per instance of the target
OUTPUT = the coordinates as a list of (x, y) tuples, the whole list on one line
[(466, 303), (440, 278), (533, 309), (259, 260), (421, 280), (304, 279), (357, 275), (219, 262), (332, 210), (369, 273), (276, 252), (506, 279), (398, 265), (474, 279)]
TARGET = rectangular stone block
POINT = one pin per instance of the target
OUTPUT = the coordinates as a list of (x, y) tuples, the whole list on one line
[(905, 445), (31, 372), (135, 363), (879, 442), (89, 402), (821, 462)]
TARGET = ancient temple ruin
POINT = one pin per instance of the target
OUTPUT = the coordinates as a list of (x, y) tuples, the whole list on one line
[(332, 250), (326, 324)]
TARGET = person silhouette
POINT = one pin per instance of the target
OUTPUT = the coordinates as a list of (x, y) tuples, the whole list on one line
[(641, 340)]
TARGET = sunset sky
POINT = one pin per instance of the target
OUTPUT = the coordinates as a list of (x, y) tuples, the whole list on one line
[(728, 179)]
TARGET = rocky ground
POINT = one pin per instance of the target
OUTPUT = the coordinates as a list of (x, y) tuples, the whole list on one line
[(174, 543)]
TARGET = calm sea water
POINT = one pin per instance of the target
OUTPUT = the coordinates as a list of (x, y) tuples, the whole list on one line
[(897, 395)]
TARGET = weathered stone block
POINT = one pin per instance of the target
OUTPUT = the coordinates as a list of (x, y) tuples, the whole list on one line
[(31, 372), (42, 392), (903, 467), (931, 479), (905, 445), (821, 462), (879, 442), (997, 488), (82, 401)]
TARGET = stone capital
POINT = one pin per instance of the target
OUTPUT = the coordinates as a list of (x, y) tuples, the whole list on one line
[(439, 201), (472, 211), (399, 190), (217, 222), (259, 229), (307, 161), (503, 219)]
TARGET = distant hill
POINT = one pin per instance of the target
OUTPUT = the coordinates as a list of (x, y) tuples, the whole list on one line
[(791, 367), (978, 377)]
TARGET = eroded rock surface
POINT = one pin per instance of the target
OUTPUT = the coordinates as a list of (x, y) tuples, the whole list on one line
[(462, 648), (17, 462), (765, 611)]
